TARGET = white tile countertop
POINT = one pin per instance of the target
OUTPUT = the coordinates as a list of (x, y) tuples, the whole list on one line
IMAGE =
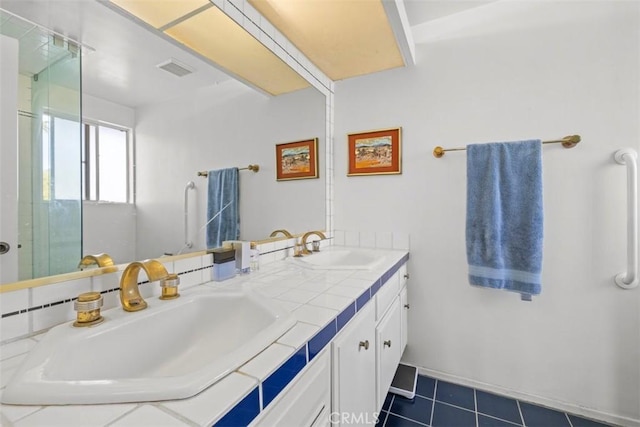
[(322, 302)]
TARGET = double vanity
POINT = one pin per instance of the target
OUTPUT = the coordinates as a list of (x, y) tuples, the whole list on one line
[(306, 341)]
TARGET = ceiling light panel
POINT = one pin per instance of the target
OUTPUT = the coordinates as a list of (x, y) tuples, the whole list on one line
[(159, 13), (214, 35), (342, 38)]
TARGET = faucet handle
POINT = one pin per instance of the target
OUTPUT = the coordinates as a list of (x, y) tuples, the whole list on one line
[(169, 287), (88, 306)]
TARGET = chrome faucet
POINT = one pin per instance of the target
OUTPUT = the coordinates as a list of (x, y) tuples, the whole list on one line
[(130, 294), (285, 232), (306, 251)]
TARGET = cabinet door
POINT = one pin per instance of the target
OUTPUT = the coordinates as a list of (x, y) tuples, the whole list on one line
[(404, 319), (388, 350), (354, 367)]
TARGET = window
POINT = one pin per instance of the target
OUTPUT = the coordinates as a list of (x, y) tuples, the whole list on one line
[(105, 163), (59, 158)]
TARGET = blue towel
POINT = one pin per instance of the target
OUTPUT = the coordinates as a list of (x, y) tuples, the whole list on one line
[(504, 216), (223, 189)]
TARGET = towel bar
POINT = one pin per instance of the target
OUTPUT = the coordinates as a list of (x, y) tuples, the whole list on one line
[(252, 168), (567, 142)]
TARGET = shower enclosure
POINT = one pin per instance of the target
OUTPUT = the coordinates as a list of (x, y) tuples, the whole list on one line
[(49, 168)]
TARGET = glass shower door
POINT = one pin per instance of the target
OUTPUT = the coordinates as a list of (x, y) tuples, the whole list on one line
[(42, 190), (57, 195)]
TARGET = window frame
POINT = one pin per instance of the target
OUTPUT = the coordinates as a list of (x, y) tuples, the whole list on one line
[(86, 141)]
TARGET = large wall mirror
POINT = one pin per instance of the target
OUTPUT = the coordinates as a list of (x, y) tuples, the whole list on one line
[(175, 127)]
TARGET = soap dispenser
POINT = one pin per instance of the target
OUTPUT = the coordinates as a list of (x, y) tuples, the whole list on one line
[(255, 257)]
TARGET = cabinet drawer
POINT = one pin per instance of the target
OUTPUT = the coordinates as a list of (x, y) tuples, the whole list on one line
[(306, 401), (385, 295)]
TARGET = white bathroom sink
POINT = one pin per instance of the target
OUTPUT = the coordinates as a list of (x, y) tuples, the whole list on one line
[(172, 350), (333, 258)]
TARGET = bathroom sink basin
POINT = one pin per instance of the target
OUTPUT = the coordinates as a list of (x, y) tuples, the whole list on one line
[(172, 350), (341, 259)]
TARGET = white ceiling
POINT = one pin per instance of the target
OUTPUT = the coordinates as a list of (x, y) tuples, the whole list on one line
[(421, 11), (122, 68)]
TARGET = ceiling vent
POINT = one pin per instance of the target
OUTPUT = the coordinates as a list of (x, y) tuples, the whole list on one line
[(175, 67)]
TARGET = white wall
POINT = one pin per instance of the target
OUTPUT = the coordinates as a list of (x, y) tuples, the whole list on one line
[(109, 227), (107, 112), (8, 165), (219, 127), (558, 68)]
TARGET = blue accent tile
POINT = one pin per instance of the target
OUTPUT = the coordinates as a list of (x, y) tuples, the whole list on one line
[(346, 315), (376, 287), (243, 413), (447, 416), (386, 276), (395, 421), (387, 401), (281, 377), (536, 416), (363, 299), (484, 421), (417, 409), (425, 386), (455, 394), (498, 406), (321, 339), (393, 269), (583, 422)]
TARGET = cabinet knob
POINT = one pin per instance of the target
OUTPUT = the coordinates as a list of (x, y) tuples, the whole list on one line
[(407, 306), (406, 275), (364, 344), (387, 343)]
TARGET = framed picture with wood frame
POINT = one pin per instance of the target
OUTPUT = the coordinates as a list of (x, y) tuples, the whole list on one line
[(297, 160), (376, 152)]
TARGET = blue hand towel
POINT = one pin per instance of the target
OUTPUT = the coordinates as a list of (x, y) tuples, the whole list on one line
[(504, 216), (223, 190)]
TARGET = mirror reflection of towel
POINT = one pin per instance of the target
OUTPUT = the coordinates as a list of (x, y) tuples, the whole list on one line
[(504, 216), (223, 187)]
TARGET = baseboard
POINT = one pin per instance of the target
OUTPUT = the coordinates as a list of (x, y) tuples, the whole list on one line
[(604, 417)]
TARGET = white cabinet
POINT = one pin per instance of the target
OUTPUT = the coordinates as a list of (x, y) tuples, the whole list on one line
[(386, 295), (404, 318), (354, 366), (307, 400), (366, 354), (348, 382), (388, 350)]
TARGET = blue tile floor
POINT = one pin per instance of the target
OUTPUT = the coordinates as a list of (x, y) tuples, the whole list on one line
[(442, 404)]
